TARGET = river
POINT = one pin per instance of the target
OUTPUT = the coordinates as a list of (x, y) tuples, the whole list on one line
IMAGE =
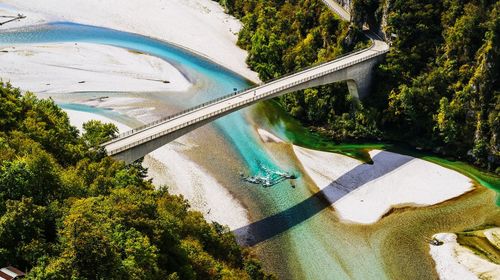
[(296, 233)]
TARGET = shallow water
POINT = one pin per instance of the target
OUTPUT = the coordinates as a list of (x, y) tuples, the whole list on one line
[(283, 125), (296, 233), (220, 80)]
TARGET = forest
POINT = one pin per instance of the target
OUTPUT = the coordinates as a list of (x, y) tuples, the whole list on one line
[(67, 211), (437, 90)]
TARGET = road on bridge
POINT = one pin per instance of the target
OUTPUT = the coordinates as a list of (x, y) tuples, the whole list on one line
[(243, 99)]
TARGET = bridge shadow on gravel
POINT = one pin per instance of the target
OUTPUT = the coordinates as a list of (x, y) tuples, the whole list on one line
[(260, 231)]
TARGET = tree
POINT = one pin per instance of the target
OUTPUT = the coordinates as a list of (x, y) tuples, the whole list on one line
[(10, 106), (35, 176), (68, 212), (22, 239), (96, 133)]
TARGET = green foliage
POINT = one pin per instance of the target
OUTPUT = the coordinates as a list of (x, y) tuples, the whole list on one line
[(97, 133), (442, 75), (46, 124), (69, 212), (22, 228), (437, 89), (285, 36), (10, 108), (35, 176)]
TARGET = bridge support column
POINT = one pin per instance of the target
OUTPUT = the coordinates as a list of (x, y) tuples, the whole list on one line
[(361, 77), (358, 77), (359, 88)]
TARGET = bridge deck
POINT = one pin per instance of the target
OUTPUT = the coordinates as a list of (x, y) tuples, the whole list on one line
[(250, 96)]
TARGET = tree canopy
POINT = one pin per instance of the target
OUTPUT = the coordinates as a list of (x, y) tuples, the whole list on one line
[(438, 88), (69, 212)]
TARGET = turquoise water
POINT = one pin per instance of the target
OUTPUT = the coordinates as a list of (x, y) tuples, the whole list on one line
[(295, 231), (223, 81), (236, 129), (287, 217)]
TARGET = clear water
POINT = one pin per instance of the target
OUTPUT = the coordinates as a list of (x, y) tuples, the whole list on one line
[(296, 226), (223, 81), (302, 258)]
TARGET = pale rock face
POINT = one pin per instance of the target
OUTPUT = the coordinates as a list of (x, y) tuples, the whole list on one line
[(345, 3)]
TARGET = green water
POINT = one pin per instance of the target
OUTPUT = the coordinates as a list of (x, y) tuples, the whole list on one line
[(376, 251), (290, 129), (297, 234)]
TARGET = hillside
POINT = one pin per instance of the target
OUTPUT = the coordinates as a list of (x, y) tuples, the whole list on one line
[(68, 211), (438, 88)]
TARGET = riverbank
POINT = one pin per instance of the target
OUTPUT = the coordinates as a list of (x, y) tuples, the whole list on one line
[(198, 25), (364, 193), (317, 245), (168, 166), (394, 247), (74, 67), (140, 101)]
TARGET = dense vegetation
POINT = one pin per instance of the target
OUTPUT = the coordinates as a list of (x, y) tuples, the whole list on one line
[(69, 212), (441, 78), (438, 88)]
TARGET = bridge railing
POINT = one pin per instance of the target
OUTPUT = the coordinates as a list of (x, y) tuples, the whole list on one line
[(233, 94), (230, 107)]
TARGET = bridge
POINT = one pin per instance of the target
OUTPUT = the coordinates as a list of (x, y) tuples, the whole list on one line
[(355, 68)]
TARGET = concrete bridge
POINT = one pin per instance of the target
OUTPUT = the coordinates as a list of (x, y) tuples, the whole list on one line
[(355, 68)]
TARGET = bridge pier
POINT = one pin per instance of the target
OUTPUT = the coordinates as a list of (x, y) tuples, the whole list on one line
[(359, 78), (360, 86), (355, 68), (353, 87)]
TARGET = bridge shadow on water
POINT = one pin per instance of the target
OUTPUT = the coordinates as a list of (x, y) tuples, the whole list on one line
[(260, 231)]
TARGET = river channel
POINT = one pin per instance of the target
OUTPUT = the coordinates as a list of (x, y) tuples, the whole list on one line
[(295, 232)]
